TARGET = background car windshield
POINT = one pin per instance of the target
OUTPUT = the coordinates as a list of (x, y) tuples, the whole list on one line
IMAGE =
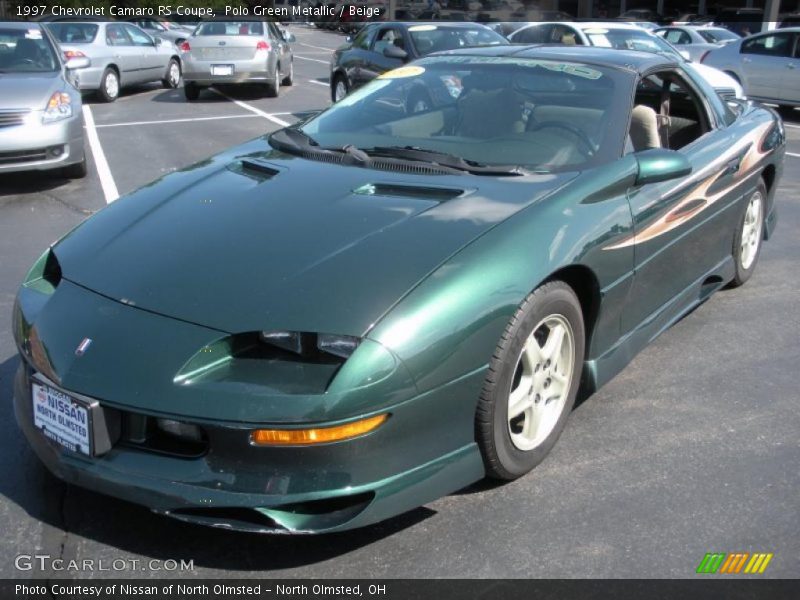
[(432, 38), (74, 33), (230, 28), (629, 39), (26, 51), (713, 36), (542, 115)]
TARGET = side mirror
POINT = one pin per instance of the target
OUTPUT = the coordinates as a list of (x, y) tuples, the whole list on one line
[(78, 62), (659, 164), (349, 39), (395, 52), (289, 37), (685, 54), (157, 40)]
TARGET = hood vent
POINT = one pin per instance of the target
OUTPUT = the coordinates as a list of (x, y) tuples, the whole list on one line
[(255, 168), (418, 192)]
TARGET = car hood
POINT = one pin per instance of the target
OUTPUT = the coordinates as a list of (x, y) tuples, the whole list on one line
[(297, 245), (28, 90)]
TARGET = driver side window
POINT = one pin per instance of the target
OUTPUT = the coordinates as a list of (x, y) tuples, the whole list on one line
[(667, 113)]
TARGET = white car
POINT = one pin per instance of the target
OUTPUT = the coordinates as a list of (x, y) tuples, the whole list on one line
[(622, 36)]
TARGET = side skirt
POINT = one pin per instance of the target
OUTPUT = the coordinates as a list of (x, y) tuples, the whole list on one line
[(599, 371)]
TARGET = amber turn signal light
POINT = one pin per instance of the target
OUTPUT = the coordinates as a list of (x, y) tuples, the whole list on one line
[(319, 435)]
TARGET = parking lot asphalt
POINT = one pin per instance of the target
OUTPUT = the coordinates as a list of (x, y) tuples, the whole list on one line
[(693, 448)]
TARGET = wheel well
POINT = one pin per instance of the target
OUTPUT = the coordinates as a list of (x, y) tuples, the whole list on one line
[(769, 177), (114, 68), (176, 57), (584, 283)]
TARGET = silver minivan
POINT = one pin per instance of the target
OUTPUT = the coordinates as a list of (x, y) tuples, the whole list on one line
[(234, 52)]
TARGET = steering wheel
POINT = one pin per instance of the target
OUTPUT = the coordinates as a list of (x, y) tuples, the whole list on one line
[(588, 148)]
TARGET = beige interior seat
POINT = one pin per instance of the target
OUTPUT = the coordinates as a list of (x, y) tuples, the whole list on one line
[(644, 128)]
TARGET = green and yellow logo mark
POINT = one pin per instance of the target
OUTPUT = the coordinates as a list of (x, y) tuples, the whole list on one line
[(734, 562)]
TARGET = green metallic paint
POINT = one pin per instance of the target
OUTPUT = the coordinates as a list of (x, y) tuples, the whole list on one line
[(168, 281), (659, 164)]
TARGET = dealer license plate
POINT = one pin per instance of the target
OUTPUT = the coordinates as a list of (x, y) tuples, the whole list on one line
[(222, 69), (62, 418)]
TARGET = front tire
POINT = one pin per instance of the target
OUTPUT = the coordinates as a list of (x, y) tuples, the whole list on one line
[(749, 235), (339, 88), (109, 86), (289, 79), (273, 90), (532, 382)]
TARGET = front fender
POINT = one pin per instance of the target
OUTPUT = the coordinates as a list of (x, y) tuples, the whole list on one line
[(451, 323)]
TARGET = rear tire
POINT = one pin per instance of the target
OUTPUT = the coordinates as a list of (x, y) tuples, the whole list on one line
[(173, 78), (749, 235), (532, 382), (109, 86), (191, 91), (273, 90)]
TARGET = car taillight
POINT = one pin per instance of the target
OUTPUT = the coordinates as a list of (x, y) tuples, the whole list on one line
[(703, 56), (185, 47), (262, 45), (73, 54)]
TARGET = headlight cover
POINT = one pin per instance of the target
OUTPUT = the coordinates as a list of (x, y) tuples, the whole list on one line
[(59, 106), (302, 344)]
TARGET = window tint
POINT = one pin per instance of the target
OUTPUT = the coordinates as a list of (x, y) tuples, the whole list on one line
[(714, 36), (492, 110), (433, 38), (363, 38), (74, 33), (26, 51), (116, 36), (561, 34), (386, 37), (231, 28), (532, 35), (676, 36), (139, 37), (770, 45)]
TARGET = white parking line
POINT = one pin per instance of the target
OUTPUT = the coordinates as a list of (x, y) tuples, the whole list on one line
[(318, 82), (317, 47), (106, 179), (252, 108), (324, 62), (785, 124), (793, 154), (192, 120)]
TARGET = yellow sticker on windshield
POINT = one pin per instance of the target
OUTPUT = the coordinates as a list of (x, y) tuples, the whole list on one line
[(410, 71)]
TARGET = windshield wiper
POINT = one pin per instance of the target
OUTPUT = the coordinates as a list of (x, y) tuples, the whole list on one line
[(445, 160)]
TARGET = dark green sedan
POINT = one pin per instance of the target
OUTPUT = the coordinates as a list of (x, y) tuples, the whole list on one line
[(353, 316)]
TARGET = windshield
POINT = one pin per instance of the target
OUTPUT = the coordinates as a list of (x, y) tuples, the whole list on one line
[(714, 36), (537, 114), (74, 33), (26, 50), (630, 39), (433, 38), (230, 28)]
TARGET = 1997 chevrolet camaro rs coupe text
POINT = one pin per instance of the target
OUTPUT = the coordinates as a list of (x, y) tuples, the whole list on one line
[(326, 327)]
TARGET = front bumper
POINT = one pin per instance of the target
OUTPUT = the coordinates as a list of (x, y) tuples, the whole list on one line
[(287, 490), (38, 147)]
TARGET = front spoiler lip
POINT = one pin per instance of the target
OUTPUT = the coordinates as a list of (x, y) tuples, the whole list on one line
[(392, 495)]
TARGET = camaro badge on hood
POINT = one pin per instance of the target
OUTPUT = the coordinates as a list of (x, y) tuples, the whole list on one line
[(83, 347)]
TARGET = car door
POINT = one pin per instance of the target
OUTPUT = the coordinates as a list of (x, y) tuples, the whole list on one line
[(765, 61), (153, 64), (790, 81), (125, 55), (281, 48), (683, 227), (353, 59)]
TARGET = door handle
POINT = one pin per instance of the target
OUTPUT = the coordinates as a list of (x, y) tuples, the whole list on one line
[(790, 66), (747, 60), (732, 166)]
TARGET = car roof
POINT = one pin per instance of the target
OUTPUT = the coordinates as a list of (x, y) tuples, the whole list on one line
[(583, 25), (628, 60), (20, 25), (437, 24)]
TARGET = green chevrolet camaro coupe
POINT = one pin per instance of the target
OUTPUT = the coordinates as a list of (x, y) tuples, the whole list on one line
[(325, 327)]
